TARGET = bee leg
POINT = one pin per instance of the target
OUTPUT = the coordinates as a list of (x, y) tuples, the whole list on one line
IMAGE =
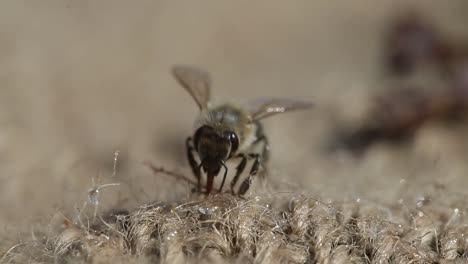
[(262, 138), (253, 172), (224, 177), (265, 153), (193, 163), (239, 169)]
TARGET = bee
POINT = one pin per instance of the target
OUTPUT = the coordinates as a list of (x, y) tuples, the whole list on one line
[(227, 131)]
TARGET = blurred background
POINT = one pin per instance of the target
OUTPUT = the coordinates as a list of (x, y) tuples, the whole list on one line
[(82, 79)]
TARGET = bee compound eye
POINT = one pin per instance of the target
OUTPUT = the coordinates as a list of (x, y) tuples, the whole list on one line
[(234, 141)]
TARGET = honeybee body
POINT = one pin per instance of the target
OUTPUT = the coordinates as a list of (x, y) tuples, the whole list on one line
[(227, 131)]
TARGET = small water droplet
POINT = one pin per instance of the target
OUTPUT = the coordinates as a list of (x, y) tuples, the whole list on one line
[(421, 201), (455, 218), (93, 195), (171, 235), (202, 210)]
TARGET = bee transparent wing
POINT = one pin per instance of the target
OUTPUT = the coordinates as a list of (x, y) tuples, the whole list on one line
[(196, 81), (265, 107)]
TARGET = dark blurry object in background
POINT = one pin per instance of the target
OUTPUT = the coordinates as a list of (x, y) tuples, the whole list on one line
[(398, 114), (413, 41), (456, 65)]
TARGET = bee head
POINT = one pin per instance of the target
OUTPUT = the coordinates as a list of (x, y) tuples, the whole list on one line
[(214, 147)]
